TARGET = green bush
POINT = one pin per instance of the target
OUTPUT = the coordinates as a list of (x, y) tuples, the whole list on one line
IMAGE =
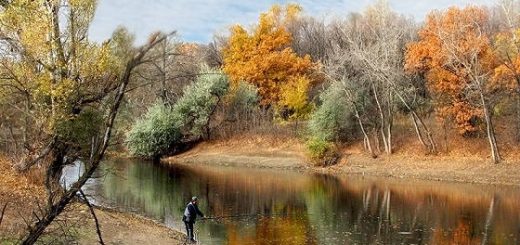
[(195, 108), (332, 116), (322, 152), (329, 123), (155, 134), (162, 128), (318, 148)]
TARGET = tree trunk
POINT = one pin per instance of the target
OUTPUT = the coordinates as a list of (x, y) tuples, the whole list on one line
[(495, 155), (365, 136), (390, 123), (382, 121), (389, 137), (432, 146), (445, 128), (518, 114), (418, 132), (376, 139)]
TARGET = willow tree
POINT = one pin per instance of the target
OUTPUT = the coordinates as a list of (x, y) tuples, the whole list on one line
[(264, 58), (67, 89)]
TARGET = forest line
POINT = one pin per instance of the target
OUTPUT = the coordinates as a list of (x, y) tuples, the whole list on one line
[(65, 98)]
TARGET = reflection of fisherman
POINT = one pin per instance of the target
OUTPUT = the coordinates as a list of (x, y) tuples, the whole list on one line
[(189, 217)]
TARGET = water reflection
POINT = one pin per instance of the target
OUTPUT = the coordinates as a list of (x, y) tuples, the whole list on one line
[(276, 207)]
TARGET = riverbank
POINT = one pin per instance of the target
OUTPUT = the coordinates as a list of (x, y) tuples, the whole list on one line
[(438, 168), (466, 167), (21, 192), (127, 228), (254, 152)]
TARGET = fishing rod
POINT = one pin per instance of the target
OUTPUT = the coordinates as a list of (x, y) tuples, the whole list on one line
[(239, 216), (229, 216)]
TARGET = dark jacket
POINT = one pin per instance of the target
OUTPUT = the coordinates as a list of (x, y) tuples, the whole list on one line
[(190, 213)]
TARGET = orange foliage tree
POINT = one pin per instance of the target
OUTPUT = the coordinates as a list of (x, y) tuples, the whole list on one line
[(507, 46), (456, 55), (264, 58), (507, 74)]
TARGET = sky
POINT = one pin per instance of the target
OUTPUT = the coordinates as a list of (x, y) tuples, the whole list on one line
[(198, 20)]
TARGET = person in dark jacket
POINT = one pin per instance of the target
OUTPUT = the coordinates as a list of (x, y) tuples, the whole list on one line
[(189, 217)]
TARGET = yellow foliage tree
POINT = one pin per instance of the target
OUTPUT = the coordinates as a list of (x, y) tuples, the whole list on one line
[(51, 59), (55, 79), (263, 57), (507, 48)]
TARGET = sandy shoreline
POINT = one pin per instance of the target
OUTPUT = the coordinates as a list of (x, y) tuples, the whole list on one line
[(437, 168)]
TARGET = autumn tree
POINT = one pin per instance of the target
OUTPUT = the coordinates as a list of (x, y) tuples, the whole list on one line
[(264, 58), (367, 55), (67, 89), (456, 56), (507, 49)]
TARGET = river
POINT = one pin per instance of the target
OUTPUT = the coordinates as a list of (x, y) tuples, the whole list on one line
[(265, 206)]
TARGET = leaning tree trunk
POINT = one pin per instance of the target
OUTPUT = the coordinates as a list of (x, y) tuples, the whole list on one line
[(495, 155), (383, 121), (55, 209), (432, 148), (418, 131), (365, 136)]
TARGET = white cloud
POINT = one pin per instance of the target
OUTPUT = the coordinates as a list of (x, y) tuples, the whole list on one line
[(197, 20)]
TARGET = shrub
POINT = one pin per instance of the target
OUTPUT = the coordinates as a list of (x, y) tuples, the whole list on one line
[(154, 134), (333, 118), (330, 122), (322, 152), (163, 128), (195, 108), (318, 147)]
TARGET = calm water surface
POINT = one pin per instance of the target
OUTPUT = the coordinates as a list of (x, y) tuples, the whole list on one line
[(284, 207)]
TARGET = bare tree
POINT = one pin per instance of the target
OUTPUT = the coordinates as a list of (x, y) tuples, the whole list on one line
[(368, 48)]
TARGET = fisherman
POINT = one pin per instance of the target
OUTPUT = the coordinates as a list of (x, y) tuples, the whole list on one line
[(189, 217)]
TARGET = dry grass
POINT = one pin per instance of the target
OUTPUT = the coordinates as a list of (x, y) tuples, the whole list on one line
[(405, 142), (21, 192)]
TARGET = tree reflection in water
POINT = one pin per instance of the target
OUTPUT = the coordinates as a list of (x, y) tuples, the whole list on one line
[(284, 207)]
